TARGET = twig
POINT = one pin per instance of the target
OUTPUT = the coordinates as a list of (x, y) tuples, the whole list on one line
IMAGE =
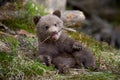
[(68, 29)]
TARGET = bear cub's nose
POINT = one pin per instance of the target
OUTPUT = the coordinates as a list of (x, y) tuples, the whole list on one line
[(55, 32)]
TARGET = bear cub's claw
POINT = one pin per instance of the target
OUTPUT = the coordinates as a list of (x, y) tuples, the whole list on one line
[(77, 46)]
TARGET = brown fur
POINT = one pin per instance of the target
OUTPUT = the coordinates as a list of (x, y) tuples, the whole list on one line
[(63, 52)]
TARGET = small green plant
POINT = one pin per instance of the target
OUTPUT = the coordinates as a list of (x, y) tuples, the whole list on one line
[(33, 9)]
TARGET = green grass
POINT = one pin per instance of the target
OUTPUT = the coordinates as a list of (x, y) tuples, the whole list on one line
[(20, 23), (20, 67)]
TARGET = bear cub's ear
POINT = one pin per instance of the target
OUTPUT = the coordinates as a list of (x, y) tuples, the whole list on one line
[(57, 13), (36, 19)]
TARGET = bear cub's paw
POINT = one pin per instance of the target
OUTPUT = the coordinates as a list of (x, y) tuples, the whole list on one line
[(77, 46), (45, 59)]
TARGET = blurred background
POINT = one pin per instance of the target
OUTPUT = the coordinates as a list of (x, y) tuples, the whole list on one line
[(102, 16), (102, 19)]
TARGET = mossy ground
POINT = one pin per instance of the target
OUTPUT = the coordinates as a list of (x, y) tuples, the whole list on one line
[(15, 65)]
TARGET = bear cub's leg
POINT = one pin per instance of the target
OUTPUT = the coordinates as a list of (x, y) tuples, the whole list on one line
[(83, 56), (63, 64), (45, 59)]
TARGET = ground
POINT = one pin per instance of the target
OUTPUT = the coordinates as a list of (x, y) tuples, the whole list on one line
[(19, 62)]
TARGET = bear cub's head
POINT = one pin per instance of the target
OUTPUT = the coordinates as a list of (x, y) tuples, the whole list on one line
[(49, 26)]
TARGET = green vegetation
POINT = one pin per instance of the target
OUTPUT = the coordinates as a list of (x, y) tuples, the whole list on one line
[(25, 16), (20, 67)]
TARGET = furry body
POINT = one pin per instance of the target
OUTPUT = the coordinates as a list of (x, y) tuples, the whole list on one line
[(59, 49)]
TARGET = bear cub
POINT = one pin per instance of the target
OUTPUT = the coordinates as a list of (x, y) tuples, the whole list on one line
[(57, 48)]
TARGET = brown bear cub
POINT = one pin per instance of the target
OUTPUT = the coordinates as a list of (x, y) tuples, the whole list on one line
[(57, 48)]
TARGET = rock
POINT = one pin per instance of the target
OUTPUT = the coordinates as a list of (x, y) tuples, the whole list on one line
[(10, 10), (73, 18), (101, 30), (108, 9), (98, 14), (96, 25), (4, 47), (3, 2), (8, 14), (52, 5), (5, 29), (24, 33)]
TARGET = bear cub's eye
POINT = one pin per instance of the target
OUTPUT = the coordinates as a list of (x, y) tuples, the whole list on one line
[(46, 27), (55, 25)]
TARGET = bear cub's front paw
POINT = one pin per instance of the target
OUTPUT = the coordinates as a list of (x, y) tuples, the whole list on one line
[(48, 60), (77, 46), (45, 59)]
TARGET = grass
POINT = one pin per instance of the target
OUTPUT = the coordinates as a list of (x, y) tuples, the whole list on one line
[(15, 64), (19, 67)]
